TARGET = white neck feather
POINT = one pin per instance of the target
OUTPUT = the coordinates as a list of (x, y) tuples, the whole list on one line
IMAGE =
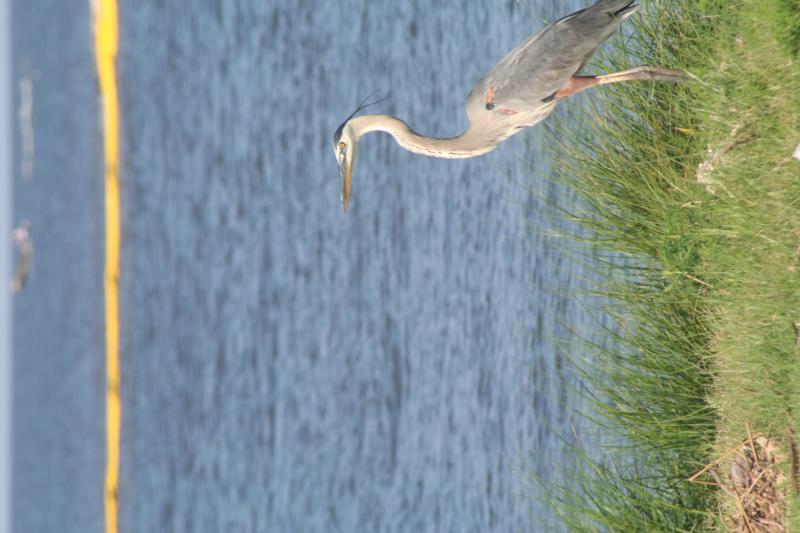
[(469, 144)]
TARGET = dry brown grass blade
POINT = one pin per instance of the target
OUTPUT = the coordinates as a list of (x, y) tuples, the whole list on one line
[(752, 444), (709, 466), (738, 500)]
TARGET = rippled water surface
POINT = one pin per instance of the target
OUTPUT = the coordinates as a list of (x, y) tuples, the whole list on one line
[(285, 367)]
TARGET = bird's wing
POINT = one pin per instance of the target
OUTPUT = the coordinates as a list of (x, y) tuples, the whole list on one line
[(533, 72)]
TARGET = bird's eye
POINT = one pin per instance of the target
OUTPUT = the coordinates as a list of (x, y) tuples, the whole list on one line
[(342, 146)]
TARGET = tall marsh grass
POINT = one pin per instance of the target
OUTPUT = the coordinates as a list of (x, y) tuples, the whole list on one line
[(702, 338)]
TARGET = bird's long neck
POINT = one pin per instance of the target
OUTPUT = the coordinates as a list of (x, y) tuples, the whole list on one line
[(469, 144)]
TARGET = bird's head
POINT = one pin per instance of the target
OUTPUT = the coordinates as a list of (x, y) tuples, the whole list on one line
[(345, 144)]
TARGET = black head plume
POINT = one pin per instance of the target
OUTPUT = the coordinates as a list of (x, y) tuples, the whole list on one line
[(362, 106)]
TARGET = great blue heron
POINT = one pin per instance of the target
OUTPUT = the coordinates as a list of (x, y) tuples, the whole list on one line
[(520, 91)]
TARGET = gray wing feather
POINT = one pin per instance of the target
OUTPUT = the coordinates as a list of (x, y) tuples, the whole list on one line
[(544, 63)]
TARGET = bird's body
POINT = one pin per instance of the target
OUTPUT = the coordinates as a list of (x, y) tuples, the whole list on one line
[(521, 90)]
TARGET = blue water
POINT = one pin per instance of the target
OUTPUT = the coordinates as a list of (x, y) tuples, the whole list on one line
[(58, 332), (287, 368)]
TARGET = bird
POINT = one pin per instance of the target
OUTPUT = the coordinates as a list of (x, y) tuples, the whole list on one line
[(521, 90), (22, 239)]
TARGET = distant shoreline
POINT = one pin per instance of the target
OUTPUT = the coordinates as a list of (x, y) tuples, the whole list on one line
[(6, 208)]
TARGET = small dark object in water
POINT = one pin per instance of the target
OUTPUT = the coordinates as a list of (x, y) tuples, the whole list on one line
[(22, 240)]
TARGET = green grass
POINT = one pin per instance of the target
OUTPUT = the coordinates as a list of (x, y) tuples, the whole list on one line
[(704, 284), (788, 12)]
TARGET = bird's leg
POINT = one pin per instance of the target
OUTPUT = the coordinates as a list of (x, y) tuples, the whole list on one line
[(490, 99), (644, 74), (576, 85), (579, 84)]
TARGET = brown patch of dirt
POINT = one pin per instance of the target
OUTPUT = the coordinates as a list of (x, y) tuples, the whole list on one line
[(753, 488)]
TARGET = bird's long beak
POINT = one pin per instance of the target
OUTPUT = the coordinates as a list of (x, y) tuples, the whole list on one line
[(345, 172)]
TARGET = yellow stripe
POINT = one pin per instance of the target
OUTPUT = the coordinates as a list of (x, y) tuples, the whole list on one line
[(106, 39)]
